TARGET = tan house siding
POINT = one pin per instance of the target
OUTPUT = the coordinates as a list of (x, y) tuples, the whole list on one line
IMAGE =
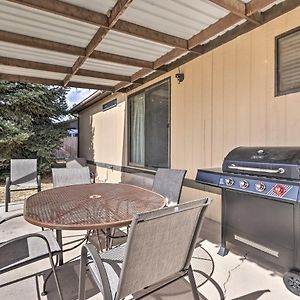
[(226, 100)]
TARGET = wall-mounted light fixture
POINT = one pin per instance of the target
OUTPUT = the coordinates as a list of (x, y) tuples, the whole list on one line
[(179, 76)]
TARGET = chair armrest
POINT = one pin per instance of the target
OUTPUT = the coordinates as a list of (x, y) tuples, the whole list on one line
[(26, 236), (89, 253), (11, 217)]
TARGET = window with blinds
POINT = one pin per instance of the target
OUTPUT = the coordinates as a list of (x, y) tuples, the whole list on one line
[(288, 63)]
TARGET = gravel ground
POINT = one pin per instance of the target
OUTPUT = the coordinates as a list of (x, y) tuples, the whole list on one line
[(22, 195)]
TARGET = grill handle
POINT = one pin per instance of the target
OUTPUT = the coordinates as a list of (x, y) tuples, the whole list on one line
[(278, 171)]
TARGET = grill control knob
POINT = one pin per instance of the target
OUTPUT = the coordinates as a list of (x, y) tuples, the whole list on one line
[(229, 181), (260, 187), (244, 184)]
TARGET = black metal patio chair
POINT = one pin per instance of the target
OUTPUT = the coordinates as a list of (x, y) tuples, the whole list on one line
[(79, 163), (23, 176), (168, 183), (158, 251), (70, 176), (27, 249)]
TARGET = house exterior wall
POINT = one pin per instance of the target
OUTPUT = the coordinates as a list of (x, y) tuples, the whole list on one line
[(226, 100)]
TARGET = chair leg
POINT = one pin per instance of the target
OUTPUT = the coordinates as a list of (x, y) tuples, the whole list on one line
[(82, 274), (7, 198), (53, 266), (193, 283)]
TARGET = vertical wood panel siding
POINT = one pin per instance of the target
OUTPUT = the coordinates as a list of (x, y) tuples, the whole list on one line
[(226, 100)]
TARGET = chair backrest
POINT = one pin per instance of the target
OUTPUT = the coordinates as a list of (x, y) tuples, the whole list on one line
[(23, 171), (76, 163), (160, 245), (168, 182), (70, 176)]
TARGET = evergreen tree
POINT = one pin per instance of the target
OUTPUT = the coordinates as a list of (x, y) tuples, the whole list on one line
[(29, 116)]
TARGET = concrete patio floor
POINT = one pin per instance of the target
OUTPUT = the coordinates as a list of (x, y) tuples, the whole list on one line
[(234, 276)]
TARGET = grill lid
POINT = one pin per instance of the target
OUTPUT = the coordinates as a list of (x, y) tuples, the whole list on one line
[(278, 162)]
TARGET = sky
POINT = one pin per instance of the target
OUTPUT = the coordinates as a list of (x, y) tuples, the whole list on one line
[(76, 95)]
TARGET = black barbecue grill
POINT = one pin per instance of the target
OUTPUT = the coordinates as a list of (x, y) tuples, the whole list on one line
[(260, 205)]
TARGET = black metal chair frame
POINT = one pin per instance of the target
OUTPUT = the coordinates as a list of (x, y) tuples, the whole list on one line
[(35, 259)]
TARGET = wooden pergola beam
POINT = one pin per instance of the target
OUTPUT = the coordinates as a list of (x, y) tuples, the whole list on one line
[(69, 49), (272, 13), (14, 62), (156, 66), (255, 5), (29, 79), (34, 42), (91, 86), (116, 12), (104, 75), (99, 19), (237, 7), (123, 60), (226, 22), (67, 10), (150, 34), (46, 81), (213, 30)]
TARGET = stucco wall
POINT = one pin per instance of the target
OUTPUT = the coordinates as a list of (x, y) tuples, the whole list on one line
[(226, 100)]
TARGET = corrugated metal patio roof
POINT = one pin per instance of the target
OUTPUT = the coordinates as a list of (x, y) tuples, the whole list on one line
[(111, 44)]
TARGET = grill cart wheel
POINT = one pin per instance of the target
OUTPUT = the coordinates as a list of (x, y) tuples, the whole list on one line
[(291, 280)]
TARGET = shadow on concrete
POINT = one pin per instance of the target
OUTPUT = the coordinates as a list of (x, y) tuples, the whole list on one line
[(68, 276), (203, 266), (253, 295)]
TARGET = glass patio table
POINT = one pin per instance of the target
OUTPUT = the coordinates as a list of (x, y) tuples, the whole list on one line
[(89, 206)]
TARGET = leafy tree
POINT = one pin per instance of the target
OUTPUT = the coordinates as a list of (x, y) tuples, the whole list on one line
[(29, 122)]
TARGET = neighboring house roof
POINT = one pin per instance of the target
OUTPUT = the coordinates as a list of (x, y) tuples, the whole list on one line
[(90, 100), (71, 123)]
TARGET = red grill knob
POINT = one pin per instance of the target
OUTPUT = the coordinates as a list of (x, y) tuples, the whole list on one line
[(279, 190)]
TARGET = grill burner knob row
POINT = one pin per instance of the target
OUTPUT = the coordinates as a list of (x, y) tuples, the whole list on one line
[(244, 184), (260, 187), (229, 181)]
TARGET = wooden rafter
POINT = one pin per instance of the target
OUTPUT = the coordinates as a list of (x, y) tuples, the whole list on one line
[(255, 5), (116, 12), (224, 23), (119, 59), (157, 64), (14, 62), (69, 49), (99, 19), (268, 15), (237, 7), (38, 80), (239, 10), (213, 30), (67, 10), (150, 34), (34, 42)]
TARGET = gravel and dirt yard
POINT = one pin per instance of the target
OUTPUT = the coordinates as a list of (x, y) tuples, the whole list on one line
[(22, 195)]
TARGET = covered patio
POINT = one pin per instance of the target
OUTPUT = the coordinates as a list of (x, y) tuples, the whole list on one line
[(197, 77), (235, 276)]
